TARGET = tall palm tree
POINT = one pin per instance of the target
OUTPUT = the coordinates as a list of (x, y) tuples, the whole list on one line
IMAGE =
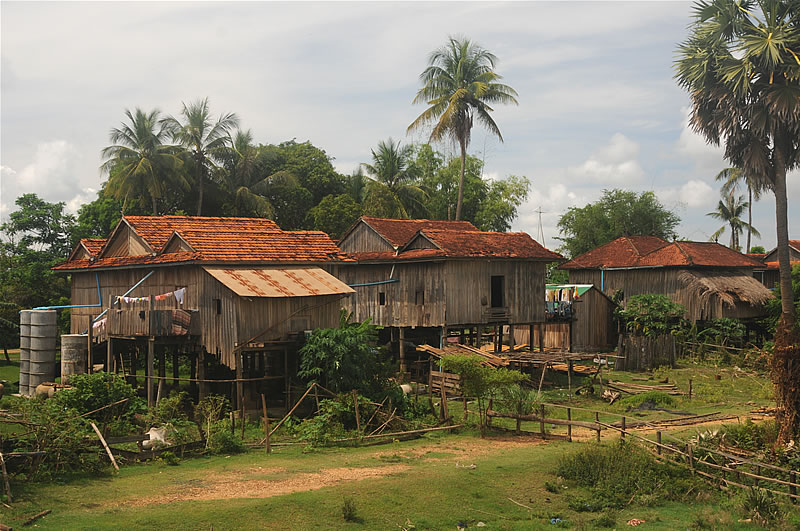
[(139, 162), (241, 176), (729, 210), (731, 178), (392, 190), (459, 85), (203, 138), (741, 66)]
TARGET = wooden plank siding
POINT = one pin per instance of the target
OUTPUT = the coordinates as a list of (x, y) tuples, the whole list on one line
[(664, 281), (363, 239)]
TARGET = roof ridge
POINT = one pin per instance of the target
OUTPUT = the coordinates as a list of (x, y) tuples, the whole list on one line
[(684, 253)]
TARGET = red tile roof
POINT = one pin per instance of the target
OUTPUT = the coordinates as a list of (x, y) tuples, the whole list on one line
[(462, 244), (219, 240), (467, 244), (157, 230), (775, 266), (399, 232), (632, 251), (93, 245)]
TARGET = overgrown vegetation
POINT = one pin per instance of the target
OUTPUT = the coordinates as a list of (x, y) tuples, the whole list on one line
[(620, 474), (651, 315)]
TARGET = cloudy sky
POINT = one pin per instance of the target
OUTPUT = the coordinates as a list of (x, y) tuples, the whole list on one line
[(598, 106)]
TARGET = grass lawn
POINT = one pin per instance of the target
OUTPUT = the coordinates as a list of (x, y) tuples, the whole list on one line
[(434, 482)]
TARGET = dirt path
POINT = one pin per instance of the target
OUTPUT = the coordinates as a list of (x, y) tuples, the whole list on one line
[(246, 483)]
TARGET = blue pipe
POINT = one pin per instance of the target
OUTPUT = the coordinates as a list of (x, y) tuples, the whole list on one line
[(99, 298), (126, 294), (391, 280), (602, 280)]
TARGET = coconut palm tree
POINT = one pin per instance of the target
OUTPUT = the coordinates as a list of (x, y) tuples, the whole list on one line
[(741, 67), (140, 163), (731, 178), (460, 85), (729, 210), (241, 176), (203, 139), (392, 190)]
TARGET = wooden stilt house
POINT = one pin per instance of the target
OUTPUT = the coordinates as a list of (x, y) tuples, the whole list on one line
[(709, 279), (434, 278), (236, 288)]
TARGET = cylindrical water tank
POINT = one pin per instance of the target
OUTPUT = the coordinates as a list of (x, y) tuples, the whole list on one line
[(74, 351), (44, 342), (24, 350)]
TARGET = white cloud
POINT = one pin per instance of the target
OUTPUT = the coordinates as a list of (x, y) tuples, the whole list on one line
[(704, 156), (614, 164)]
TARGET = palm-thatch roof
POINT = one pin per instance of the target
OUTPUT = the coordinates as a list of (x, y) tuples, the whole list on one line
[(730, 286)]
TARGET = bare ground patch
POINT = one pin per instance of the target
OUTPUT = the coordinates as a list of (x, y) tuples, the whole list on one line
[(236, 484)]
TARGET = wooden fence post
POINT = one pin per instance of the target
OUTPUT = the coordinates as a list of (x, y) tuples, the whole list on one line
[(541, 419), (792, 488), (569, 426), (690, 388), (658, 440), (266, 423), (622, 433), (445, 414), (597, 421), (355, 405)]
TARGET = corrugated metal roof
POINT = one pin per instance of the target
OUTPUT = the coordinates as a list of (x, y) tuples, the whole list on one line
[(279, 282)]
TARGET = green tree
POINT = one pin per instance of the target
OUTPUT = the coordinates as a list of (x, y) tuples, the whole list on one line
[(203, 138), (312, 167), (617, 213), (443, 189), (758, 249), (740, 65), (393, 190), (460, 85), (729, 210), (731, 178), (334, 214), (499, 208), (140, 164)]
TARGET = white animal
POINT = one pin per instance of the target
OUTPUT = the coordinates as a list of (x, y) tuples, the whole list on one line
[(159, 437)]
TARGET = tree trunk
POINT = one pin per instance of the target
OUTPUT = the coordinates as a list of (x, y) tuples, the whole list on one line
[(749, 216), (788, 317), (155, 205), (463, 144), (200, 179)]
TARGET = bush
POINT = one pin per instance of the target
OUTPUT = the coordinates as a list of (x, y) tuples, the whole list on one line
[(335, 418), (91, 392), (175, 407), (208, 413), (657, 398), (651, 315), (349, 511), (761, 506), (623, 472), (752, 436), (222, 441)]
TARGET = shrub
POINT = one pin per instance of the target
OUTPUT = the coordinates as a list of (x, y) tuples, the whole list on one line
[(208, 413), (657, 398), (173, 408), (651, 315), (620, 473), (752, 436), (91, 392), (222, 441), (335, 418), (761, 506), (349, 511)]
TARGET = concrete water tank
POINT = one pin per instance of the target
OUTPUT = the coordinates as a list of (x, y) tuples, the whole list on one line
[(74, 353), (43, 347), (24, 350)]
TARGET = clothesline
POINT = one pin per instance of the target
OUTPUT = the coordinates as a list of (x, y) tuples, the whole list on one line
[(179, 294)]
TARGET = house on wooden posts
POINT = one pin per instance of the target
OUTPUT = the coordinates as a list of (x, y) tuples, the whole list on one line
[(709, 279), (237, 288), (578, 318), (769, 273), (427, 279)]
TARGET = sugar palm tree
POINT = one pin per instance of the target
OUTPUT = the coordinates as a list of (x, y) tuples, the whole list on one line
[(203, 139), (460, 85), (392, 190), (731, 178), (241, 176), (139, 162), (729, 210), (741, 66)]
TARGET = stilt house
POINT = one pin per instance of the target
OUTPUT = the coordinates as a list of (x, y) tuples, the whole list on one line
[(709, 279), (224, 286), (434, 277), (769, 272)]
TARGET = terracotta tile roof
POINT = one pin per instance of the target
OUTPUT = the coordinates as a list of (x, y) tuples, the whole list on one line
[(157, 230), (795, 244), (467, 244), (93, 245), (399, 232), (757, 256), (627, 252), (774, 266), (462, 244), (219, 240), (122, 261)]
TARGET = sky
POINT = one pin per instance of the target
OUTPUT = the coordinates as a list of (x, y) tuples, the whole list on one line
[(598, 105)]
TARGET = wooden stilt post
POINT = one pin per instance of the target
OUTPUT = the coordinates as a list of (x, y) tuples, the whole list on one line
[(162, 372), (239, 387), (541, 337), (134, 364), (286, 380), (151, 350), (266, 423), (109, 353), (201, 373), (569, 378), (530, 338), (175, 367), (511, 340), (90, 339), (403, 368)]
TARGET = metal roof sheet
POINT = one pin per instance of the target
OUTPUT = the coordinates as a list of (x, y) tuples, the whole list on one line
[(279, 282)]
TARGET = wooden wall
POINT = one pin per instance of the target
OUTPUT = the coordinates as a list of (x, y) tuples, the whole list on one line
[(364, 240), (594, 327), (664, 281), (400, 308)]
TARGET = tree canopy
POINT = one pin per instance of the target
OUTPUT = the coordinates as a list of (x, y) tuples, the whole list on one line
[(617, 213)]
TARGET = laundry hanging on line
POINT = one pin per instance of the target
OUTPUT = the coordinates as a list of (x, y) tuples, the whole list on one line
[(179, 294)]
